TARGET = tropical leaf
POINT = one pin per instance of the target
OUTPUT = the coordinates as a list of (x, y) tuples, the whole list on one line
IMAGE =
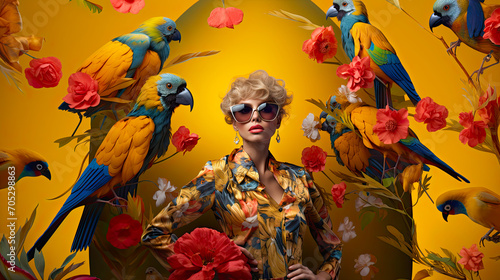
[(337, 114), (366, 218), (309, 25), (188, 56), (92, 6), (23, 262), (437, 258), (17, 274), (424, 273), (39, 263), (22, 232), (55, 272), (396, 244), (68, 270), (94, 132)]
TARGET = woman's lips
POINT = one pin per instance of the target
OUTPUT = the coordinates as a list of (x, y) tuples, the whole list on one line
[(256, 129)]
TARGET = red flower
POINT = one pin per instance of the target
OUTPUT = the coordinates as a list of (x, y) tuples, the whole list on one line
[(492, 27), (184, 141), (225, 17), (431, 113), (489, 113), (471, 259), (359, 73), (44, 72), (124, 232), (128, 6), (338, 192), (391, 125), (322, 45), (474, 132), (82, 91), (314, 159), (203, 252)]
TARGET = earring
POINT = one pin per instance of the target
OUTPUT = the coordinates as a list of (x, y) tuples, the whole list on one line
[(278, 138), (236, 139)]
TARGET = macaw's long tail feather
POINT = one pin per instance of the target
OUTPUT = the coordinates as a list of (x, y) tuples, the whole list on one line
[(42, 240), (398, 74), (87, 226), (382, 94)]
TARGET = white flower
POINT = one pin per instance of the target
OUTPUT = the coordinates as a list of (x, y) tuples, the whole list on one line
[(179, 213), (366, 201), (309, 126), (352, 97), (347, 229), (165, 190), (251, 222), (363, 264)]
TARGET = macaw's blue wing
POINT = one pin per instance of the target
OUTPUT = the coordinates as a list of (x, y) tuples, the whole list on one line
[(139, 44), (94, 177), (475, 18), (428, 157)]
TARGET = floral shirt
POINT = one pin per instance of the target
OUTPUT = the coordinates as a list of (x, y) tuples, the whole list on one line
[(273, 232)]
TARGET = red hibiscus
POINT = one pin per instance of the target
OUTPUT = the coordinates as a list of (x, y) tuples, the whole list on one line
[(124, 232), (44, 72), (492, 27), (474, 132), (489, 113), (203, 252), (391, 125), (431, 113), (471, 259), (128, 6), (322, 45), (225, 17), (82, 91), (314, 159), (338, 192), (359, 73), (184, 141)]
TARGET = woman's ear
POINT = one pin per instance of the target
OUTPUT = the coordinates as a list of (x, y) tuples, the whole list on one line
[(234, 126)]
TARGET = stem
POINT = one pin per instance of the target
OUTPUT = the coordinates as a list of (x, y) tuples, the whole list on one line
[(223, 4), (156, 162), (331, 62), (328, 177)]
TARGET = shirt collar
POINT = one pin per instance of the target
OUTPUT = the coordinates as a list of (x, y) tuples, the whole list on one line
[(242, 165)]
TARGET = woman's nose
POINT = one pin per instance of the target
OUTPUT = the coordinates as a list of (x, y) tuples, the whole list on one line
[(255, 116)]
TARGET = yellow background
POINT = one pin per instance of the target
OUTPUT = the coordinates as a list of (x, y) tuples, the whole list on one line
[(31, 119)]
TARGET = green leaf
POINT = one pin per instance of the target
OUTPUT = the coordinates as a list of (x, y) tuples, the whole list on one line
[(23, 262), (39, 263), (366, 219), (57, 271), (92, 6), (446, 261), (387, 182), (23, 231), (68, 270)]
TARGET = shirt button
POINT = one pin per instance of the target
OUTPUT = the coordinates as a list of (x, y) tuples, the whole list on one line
[(281, 209)]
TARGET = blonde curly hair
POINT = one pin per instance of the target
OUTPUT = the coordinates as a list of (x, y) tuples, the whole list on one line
[(259, 85)]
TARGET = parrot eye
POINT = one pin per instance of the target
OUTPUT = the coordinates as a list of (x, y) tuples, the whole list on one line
[(169, 85), (39, 166), (344, 4), (169, 28), (446, 7), (447, 207)]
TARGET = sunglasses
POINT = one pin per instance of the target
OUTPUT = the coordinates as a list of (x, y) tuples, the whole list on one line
[(243, 113)]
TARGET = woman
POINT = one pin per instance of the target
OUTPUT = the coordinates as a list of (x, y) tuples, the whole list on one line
[(263, 205)]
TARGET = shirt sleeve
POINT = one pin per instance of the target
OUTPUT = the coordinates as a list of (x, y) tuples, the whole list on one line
[(320, 225), (194, 200)]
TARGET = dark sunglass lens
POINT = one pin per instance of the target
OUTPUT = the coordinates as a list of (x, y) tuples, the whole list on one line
[(268, 111), (241, 112)]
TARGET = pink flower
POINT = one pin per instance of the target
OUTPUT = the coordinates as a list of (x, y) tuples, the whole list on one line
[(431, 113), (322, 45), (225, 17), (82, 91), (44, 72), (124, 232), (184, 141), (474, 132), (492, 27), (471, 259), (359, 73), (338, 192), (489, 113), (364, 266), (391, 125), (128, 6), (314, 159)]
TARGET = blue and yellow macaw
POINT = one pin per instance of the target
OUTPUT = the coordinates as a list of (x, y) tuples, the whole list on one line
[(360, 38), (130, 147), (481, 205), (21, 163), (137, 55), (466, 19)]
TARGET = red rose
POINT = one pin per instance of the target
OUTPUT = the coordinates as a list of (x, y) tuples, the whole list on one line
[(128, 6), (184, 141), (338, 192), (314, 159), (44, 72), (225, 17), (492, 27), (204, 252), (431, 113), (471, 259), (391, 125), (124, 232), (322, 45), (474, 132), (82, 91), (489, 113), (359, 73)]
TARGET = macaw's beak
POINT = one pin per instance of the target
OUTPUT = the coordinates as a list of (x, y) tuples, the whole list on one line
[(176, 36), (323, 115), (332, 12), (435, 20), (47, 174), (184, 97), (445, 216)]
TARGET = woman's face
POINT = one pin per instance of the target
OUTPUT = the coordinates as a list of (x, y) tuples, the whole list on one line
[(256, 129)]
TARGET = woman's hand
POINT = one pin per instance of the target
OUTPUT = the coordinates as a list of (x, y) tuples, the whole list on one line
[(251, 260), (299, 272)]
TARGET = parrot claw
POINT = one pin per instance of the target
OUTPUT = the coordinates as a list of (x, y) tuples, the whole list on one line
[(453, 47), (495, 238), (111, 202), (481, 69)]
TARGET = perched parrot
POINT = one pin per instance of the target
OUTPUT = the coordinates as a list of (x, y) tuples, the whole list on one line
[(137, 55), (21, 163), (466, 19), (481, 205), (360, 38), (130, 147)]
